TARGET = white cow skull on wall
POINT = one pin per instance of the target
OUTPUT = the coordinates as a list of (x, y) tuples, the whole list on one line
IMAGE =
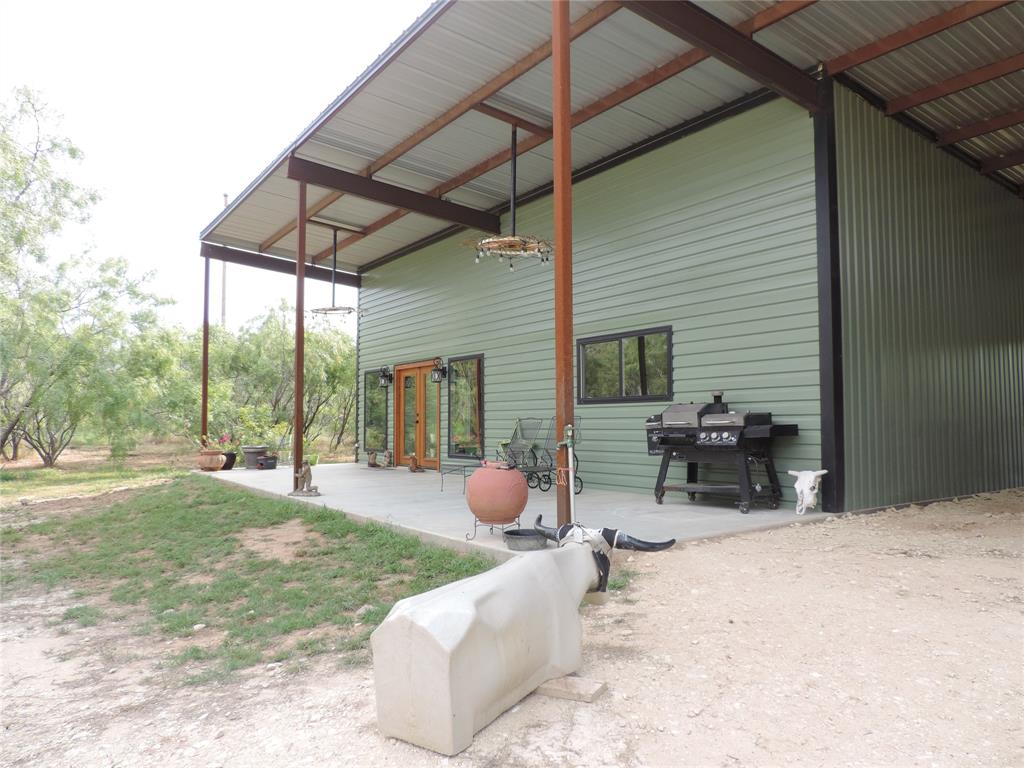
[(806, 487)]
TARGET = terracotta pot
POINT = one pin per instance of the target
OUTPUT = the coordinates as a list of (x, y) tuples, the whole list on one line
[(211, 460), (496, 495)]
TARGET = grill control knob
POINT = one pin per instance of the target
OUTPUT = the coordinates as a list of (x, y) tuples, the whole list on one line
[(703, 435), (714, 435)]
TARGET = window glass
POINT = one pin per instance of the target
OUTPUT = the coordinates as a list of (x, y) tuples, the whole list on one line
[(465, 407), (375, 413), (601, 377), (635, 365)]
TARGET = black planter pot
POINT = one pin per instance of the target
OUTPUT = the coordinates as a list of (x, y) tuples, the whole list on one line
[(229, 459)]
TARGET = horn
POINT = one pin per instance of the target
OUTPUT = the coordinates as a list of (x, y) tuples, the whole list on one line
[(625, 541), (548, 533), (821, 472)]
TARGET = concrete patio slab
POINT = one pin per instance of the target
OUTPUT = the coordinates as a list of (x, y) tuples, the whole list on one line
[(415, 503)]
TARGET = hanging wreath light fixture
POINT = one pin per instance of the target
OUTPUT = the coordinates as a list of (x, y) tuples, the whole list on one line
[(513, 247)]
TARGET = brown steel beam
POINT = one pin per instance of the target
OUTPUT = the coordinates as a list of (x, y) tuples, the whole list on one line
[(912, 34), (587, 21), (205, 386), (954, 84), (561, 109), (300, 335), (309, 172), (999, 162), (508, 117), (981, 128), (673, 67), (706, 31), (274, 264)]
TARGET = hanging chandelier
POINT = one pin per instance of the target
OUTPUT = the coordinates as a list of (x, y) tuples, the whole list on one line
[(513, 247)]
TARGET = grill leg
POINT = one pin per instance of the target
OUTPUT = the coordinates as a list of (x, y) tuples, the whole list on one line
[(773, 478), (691, 478), (659, 487), (743, 470)]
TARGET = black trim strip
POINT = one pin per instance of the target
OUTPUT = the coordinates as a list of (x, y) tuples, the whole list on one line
[(830, 331)]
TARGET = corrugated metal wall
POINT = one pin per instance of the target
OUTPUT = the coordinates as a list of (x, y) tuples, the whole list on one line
[(933, 317), (713, 235)]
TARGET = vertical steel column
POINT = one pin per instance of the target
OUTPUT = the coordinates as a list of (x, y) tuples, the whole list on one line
[(830, 329), (300, 334), (205, 396), (562, 134)]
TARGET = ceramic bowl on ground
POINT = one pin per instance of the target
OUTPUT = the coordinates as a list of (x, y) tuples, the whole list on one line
[(524, 540)]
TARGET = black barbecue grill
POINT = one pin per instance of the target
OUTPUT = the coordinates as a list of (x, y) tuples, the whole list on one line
[(709, 433)]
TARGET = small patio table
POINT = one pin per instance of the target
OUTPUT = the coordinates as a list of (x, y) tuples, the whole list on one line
[(454, 469)]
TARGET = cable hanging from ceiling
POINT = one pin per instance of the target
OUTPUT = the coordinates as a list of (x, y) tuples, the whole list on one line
[(513, 247)]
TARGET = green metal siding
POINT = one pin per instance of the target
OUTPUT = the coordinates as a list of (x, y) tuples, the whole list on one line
[(713, 234), (933, 317)]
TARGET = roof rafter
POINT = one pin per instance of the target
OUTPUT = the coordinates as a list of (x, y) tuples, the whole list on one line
[(996, 123), (912, 34), (516, 120), (755, 23), (587, 21), (706, 31), (999, 162), (370, 189), (954, 84)]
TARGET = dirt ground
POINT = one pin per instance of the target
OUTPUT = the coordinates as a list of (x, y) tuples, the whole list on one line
[(886, 639)]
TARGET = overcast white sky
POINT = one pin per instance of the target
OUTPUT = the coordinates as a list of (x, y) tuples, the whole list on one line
[(176, 104)]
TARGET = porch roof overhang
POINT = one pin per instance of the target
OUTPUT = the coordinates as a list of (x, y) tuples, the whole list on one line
[(419, 143)]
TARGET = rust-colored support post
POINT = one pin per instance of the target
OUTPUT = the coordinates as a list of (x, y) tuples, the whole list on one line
[(300, 335), (205, 396), (561, 103)]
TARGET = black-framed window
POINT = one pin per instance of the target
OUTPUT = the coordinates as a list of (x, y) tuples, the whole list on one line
[(634, 366), (466, 407), (375, 413)]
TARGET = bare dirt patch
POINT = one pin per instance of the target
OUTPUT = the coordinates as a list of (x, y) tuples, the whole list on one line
[(887, 639), (286, 542)]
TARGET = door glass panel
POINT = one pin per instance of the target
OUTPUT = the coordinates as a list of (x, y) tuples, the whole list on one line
[(408, 414), (430, 417)]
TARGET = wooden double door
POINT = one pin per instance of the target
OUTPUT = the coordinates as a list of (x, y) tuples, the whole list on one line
[(417, 415)]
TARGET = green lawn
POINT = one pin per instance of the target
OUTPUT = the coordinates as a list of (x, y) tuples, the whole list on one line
[(55, 482), (172, 552)]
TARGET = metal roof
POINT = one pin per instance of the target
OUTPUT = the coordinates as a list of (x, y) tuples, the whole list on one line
[(455, 49)]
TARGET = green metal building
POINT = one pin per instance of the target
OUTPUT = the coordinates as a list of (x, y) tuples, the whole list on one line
[(814, 207)]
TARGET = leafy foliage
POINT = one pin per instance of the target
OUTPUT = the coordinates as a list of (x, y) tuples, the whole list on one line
[(81, 350)]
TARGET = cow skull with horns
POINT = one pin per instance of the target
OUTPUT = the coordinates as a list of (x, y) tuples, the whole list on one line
[(449, 661)]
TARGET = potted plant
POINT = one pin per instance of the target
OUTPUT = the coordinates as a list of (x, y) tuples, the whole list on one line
[(227, 448), (210, 459)]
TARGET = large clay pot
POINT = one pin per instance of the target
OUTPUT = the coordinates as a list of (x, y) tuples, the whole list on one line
[(211, 460), (252, 454), (496, 495)]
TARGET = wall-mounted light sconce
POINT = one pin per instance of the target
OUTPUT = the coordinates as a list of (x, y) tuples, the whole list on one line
[(385, 377), (439, 372)]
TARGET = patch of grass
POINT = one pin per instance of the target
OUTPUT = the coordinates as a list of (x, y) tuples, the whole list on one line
[(85, 615), (172, 551), (620, 579), (41, 482)]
